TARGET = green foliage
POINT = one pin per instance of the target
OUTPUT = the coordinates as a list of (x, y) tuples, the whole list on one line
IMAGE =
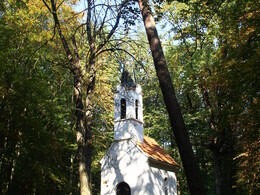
[(240, 58), (103, 134), (213, 60), (213, 57), (37, 139)]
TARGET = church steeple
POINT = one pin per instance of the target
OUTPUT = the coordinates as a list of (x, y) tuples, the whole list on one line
[(128, 74), (128, 112)]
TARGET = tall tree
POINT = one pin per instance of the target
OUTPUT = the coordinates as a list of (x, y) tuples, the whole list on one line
[(97, 30), (195, 52), (34, 129), (181, 135), (209, 54), (239, 54)]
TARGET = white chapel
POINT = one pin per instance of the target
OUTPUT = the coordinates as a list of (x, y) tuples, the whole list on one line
[(135, 164)]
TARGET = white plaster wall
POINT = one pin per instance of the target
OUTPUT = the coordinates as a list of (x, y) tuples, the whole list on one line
[(158, 177), (152, 182), (129, 127), (130, 95), (125, 162)]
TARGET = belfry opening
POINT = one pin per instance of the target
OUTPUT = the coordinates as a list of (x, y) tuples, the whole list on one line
[(123, 108)]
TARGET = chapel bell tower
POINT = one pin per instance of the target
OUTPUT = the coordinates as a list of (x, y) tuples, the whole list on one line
[(133, 157), (128, 110)]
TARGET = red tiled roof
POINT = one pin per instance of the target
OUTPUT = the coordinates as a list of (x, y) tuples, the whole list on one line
[(154, 150)]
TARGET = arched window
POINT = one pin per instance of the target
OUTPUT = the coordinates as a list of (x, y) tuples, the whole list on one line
[(123, 108), (123, 189), (136, 109)]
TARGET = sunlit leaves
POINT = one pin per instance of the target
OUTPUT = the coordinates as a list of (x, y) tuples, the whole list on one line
[(35, 120), (217, 54)]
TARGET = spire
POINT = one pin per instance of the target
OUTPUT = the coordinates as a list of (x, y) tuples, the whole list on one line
[(128, 74), (128, 112)]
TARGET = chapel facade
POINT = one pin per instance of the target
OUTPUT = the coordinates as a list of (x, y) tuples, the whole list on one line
[(135, 164)]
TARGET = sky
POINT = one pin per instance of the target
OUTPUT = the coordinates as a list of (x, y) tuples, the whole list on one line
[(163, 30)]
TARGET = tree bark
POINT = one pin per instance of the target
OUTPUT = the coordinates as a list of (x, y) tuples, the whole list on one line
[(84, 175), (83, 131), (217, 172), (84, 109), (215, 144), (191, 169)]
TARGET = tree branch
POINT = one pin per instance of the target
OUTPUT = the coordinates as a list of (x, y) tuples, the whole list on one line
[(60, 4), (63, 40), (114, 27), (47, 5), (120, 49)]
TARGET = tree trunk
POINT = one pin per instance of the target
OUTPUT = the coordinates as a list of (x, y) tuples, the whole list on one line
[(71, 172), (82, 132), (217, 172), (82, 128), (179, 129), (215, 146), (84, 109)]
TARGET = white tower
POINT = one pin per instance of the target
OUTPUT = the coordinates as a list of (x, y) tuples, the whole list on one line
[(128, 109)]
